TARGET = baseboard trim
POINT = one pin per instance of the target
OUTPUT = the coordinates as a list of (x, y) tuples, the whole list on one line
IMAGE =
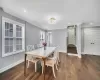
[(71, 54), (83, 53), (10, 66)]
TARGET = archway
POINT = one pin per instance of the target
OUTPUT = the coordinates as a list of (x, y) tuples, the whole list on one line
[(71, 41)]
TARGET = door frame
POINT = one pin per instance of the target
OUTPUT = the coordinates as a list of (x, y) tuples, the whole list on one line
[(75, 34), (76, 39)]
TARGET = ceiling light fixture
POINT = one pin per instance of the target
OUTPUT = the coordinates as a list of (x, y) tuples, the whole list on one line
[(52, 20)]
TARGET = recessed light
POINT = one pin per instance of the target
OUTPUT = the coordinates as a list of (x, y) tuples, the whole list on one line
[(24, 10), (91, 23), (69, 23)]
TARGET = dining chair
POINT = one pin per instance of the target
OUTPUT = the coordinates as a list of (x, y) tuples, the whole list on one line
[(57, 55), (39, 46), (52, 62), (31, 58)]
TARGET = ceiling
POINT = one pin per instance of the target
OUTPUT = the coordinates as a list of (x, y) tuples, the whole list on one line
[(65, 12)]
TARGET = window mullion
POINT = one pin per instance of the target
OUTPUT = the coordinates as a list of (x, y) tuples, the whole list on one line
[(14, 37), (3, 37), (23, 38)]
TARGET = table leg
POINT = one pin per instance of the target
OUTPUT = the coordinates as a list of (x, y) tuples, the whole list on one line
[(25, 65), (44, 67)]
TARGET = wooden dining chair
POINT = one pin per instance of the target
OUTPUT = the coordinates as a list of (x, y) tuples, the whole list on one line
[(58, 58), (31, 58), (39, 45), (52, 62)]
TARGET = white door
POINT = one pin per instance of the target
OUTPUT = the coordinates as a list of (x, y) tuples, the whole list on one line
[(92, 41)]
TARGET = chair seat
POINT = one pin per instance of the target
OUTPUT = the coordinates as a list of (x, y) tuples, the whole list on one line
[(49, 62), (51, 58), (30, 57), (34, 60)]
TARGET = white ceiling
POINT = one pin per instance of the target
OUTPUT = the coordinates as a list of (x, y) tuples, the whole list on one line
[(65, 11)]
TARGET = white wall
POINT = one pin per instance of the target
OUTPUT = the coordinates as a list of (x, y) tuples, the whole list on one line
[(59, 39)]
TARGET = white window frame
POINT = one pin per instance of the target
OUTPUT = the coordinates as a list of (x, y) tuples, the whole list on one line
[(42, 37), (14, 37), (49, 38)]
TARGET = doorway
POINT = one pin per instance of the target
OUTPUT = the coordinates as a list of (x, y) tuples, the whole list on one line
[(71, 40)]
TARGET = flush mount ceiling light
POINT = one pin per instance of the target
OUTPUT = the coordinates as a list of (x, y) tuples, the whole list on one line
[(52, 20)]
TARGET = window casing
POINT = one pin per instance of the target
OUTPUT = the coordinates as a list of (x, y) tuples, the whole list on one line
[(13, 37)]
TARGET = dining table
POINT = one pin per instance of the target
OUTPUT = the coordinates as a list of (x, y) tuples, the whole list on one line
[(40, 53)]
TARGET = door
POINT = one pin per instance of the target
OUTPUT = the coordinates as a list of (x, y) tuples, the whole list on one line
[(92, 41)]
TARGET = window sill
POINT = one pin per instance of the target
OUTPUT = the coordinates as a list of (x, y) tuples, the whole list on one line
[(8, 54)]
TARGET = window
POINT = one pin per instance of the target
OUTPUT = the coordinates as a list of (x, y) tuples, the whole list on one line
[(42, 37), (13, 37), (49, 38)]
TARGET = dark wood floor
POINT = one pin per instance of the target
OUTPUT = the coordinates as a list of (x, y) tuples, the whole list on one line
[(71, 68), (72, 50)]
